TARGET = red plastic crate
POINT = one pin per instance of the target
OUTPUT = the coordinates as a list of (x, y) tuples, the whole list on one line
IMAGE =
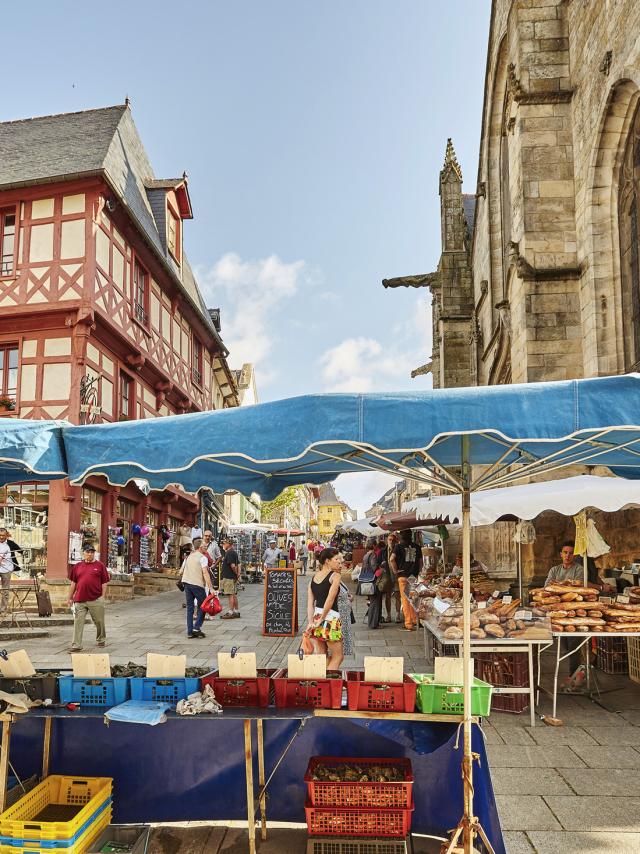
[(345, 821), (306, 693), (502, 669), (378, 697), (513, 703), (245, 692), (359, 794), (611, 655)]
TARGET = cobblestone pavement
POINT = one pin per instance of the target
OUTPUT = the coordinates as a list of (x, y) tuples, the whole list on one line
[(572, 789)]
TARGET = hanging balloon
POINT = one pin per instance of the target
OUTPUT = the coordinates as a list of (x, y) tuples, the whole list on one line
[(121, 540), (135, 528), (145, 530)]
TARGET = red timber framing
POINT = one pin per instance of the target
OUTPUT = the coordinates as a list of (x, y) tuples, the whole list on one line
[(70, 309)]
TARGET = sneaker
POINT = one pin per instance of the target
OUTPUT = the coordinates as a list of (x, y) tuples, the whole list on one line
[(398, 618), (198, 634), (101, 643), (409, 628), (75, 648), (228, 616), (236, 615)]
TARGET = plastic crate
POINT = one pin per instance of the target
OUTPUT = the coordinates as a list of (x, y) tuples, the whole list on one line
[(502, 669), (514, 704), (359, 794), (42, 686), (110, 691), (88, 794), (633, 653), (308, 693), (246, 692), (350, 845), (134, 836), (611, 655), (379, 697), (163, 690), (433, 698), (350, 821), (101, 816), (80, 847)]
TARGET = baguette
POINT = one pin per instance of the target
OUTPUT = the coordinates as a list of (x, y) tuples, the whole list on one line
[(494, 631), (571, 597), (569, 628), (622, 627), (579, 621), (563, 588)]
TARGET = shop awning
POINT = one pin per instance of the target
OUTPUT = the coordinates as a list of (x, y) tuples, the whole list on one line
[(366, 527), (568, 496), (31, 450), (515, 430)]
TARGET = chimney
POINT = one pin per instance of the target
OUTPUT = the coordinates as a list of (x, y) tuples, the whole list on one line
[(214, 314)]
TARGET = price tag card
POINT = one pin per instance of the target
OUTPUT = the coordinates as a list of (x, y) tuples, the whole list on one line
[(18, 665), (441, 606), (161, 666), (523, 615), (310, 667), (495, 594), (623, 600), (242, 664), (482, 605), (507, 600), (605, 600), (90, 666), (383, 669)]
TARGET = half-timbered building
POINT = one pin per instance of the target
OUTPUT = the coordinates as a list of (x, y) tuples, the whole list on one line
[(101, 319)]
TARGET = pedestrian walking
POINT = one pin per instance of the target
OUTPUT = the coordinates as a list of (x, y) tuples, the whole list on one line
[(304, 557), (370, 564), (311, 551), (195, 578), (271, 556), (229, 579), (324, 622), (406, 562), (392, 590), (89, 579), (292, 552), (215, 555), (6, 568), (345, 609)]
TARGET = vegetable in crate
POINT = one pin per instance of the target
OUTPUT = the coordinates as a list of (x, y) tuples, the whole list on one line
[(353, 773)]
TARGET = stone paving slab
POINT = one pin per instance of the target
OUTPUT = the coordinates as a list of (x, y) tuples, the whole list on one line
[(617, 782), (536, 781), (530, 811), (596, 813), (614, 735), (569, 736), (517, 842), (507, 756), (583, 843), (607, 757)]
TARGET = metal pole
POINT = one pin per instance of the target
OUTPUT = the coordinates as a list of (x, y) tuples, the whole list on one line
[(467, 761)]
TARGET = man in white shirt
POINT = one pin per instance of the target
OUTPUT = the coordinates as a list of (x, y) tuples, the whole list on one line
[(196, 536), (6, 568), (271, 555)]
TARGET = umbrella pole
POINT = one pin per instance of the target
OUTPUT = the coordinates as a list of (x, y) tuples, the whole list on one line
[(469, 827)]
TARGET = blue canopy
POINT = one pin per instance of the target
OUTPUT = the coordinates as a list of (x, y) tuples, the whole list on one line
[(31, 450), (515, 430)]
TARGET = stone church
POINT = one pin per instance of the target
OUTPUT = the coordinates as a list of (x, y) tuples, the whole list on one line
[(539, 276)]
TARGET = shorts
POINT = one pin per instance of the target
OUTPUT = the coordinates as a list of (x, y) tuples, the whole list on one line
[(228, 586), (330, 630)]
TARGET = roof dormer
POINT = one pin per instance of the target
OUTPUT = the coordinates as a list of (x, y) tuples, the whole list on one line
[(171, 204)]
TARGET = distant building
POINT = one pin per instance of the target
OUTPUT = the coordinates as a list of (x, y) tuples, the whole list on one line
[(331, 511), (101, 319)]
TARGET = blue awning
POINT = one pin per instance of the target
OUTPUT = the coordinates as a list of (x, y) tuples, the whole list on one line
[(31, 450), (515, 430)]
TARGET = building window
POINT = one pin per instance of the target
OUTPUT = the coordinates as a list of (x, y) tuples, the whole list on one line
[(9, 370), (173, 234), (140, 293), (91, 516), (196, 364), (629, 191), (7, 242), (23, 511), (127, 407)]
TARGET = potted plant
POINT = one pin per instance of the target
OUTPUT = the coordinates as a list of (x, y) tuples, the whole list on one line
[(7, 404)]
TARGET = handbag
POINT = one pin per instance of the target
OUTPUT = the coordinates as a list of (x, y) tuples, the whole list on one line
[(367, 588), (180, 585), (385, 582), (306, 644), (211, 605)]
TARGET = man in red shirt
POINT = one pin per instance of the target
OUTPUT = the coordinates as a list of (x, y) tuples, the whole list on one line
[(89, 580)]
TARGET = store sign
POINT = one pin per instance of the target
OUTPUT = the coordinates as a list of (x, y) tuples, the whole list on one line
[(280, 609)]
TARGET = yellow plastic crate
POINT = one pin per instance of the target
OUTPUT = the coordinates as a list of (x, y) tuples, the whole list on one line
[(633, 657), (82, 845), (87, 793)]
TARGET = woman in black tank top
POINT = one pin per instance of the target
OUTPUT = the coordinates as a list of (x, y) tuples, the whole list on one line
[(324, 624)]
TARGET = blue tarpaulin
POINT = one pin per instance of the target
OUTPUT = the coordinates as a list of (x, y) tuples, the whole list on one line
[(312, 439), (194, 770), (31, 450)]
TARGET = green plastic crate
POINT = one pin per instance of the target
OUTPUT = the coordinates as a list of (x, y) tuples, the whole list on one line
[(434, 699)]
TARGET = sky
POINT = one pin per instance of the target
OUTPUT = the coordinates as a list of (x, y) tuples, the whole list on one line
[(313, 134)]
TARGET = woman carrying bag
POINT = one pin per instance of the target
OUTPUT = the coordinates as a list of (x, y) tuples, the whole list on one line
[(324, 623), (367, 585), (195, 578)]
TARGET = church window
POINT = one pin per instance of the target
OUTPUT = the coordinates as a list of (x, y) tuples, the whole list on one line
[(7, 241), (629, 190)]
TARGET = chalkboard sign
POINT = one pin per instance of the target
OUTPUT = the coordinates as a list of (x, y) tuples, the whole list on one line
[(280, 612)]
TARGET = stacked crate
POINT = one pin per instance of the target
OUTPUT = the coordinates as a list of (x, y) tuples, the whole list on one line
[(359, 811)]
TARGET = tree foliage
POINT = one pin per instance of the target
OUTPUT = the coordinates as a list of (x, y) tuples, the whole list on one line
[(280, 503)]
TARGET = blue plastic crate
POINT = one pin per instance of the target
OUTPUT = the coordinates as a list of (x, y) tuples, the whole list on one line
[(93, 692), (163, 690)]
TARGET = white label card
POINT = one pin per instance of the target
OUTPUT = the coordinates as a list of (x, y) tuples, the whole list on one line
[(441, 606), (623, 600), (482, 605), (507, 600), (495, 594)]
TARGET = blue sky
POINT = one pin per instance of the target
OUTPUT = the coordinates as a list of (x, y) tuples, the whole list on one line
[(312, 133)]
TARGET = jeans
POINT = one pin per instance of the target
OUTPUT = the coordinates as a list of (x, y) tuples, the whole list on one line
[(5, 579), (407, 609), (194, 593), (95, 610), (575, 658), (303, 561)]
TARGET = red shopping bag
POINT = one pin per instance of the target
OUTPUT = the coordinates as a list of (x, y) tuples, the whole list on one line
[(211, 605)]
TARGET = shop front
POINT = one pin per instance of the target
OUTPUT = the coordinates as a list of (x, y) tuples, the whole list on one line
[(24, 510)]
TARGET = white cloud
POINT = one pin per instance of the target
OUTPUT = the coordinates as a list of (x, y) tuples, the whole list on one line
[(359, 491), (364, 364), (251, 294)]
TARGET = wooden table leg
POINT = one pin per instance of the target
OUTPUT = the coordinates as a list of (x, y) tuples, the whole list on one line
[(261, 778), (4, 762), (248, 761), (46, 747), (532, 687)]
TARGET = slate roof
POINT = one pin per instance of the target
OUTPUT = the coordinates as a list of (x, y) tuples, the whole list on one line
[(469, 206), (328, 495), (102, 142)]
